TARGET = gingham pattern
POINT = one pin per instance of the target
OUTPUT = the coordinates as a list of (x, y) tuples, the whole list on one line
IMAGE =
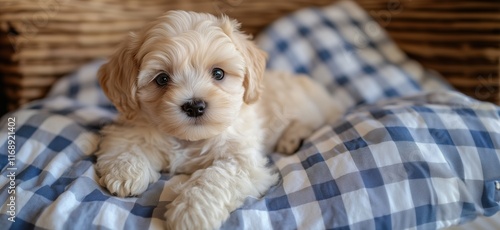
[(344, 49), (425, 161)]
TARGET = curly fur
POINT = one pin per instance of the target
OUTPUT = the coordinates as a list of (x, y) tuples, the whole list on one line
[(247, 115)]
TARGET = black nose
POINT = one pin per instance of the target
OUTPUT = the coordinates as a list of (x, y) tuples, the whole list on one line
[(194, 107)]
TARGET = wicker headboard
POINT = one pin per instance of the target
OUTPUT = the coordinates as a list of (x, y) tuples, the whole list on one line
[(43, 40)]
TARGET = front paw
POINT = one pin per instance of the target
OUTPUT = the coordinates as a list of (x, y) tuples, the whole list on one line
[(126, 176), (187, 212)]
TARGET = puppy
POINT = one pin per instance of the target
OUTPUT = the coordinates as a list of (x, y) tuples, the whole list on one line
[(194, 98)]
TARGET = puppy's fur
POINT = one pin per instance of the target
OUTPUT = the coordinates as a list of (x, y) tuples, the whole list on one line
[(246, 113)]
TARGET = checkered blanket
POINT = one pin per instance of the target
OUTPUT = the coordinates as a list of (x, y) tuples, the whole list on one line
[(409, 153)]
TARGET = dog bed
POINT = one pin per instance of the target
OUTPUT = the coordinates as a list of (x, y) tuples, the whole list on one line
[(410, 152)]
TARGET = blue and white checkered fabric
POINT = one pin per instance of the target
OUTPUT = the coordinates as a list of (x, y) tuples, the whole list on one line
[(402, 158), (343, 48)]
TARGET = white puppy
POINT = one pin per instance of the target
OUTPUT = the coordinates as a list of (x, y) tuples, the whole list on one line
[(194, 99)]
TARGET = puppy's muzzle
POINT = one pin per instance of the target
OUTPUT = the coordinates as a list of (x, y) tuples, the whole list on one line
[(194, 107)]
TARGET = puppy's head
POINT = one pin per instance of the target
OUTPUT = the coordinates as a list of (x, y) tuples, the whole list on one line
[(188, 74)]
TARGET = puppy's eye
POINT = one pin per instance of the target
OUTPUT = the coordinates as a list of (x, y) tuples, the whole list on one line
[(162, 79), (218, 74)]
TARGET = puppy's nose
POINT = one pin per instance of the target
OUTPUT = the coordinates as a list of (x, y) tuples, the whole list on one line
[(194, 107)]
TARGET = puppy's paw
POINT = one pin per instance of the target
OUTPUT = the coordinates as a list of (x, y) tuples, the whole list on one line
[(126, 176), (187, 212), (292, 137)]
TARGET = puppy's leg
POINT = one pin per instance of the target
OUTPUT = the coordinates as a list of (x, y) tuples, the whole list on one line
[(292, 137), (209, 196), (128, 160), (315, 108)]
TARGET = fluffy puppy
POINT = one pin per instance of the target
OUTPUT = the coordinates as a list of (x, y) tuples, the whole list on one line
[(193, 98)]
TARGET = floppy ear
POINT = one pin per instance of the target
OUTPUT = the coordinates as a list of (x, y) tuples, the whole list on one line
[(118, 78), (254, 57)]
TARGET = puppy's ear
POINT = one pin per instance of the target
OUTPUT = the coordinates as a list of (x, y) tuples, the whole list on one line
[(255, 59), (118, 78)]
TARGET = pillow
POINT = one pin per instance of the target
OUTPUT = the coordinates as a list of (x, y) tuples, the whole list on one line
[(427, 161), (406, 138), (348, 52)]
